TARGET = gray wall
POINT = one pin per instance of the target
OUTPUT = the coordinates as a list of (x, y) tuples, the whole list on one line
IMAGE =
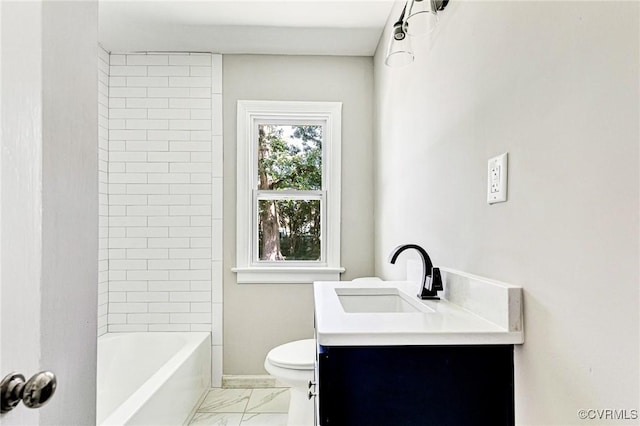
[(555, 85), (258, 317)]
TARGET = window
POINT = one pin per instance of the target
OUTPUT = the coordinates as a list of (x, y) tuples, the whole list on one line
[(288, 195)]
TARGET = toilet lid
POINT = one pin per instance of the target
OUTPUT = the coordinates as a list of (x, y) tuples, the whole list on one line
[(298, 355)]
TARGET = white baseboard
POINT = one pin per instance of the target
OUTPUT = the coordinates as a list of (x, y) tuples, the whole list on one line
[(230, 381)]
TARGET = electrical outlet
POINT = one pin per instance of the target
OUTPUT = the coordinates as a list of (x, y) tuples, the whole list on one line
[(497, 179)]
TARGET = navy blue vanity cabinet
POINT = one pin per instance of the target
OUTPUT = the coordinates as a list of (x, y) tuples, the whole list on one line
[(416, 385)]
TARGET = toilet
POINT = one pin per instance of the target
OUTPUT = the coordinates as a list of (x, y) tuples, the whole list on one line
[(293, 364), (367, 280)]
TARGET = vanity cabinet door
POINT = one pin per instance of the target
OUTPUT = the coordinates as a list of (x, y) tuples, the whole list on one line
[(416, 385), (314, 390)]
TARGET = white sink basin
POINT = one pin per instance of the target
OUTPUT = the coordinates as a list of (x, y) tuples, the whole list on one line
[(378, 300)]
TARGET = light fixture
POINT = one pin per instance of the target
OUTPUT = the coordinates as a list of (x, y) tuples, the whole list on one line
[(422, 17), (399, 52)]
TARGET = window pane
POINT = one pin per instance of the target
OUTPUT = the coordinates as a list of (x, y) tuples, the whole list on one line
[(289, 157), (289, 230)]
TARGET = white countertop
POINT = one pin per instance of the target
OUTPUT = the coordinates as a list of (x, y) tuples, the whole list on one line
[(445, 323)]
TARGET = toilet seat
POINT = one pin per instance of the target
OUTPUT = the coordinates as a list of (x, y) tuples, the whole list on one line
[(367, 280), (298, 355)]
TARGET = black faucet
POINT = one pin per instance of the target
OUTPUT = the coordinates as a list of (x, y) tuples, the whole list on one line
[(431, 280)]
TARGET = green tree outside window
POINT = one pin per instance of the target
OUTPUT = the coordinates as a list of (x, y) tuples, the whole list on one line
[(289, 159)]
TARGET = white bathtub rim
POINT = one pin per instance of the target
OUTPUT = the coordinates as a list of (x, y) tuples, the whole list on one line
[(132, 405)]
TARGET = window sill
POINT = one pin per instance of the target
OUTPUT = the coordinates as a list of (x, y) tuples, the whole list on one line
[(286, 275)]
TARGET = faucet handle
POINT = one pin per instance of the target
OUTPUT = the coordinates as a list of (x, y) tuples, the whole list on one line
[(431, 286), (436, 280)]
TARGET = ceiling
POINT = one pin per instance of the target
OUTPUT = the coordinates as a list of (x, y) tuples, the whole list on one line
[(295, 27)]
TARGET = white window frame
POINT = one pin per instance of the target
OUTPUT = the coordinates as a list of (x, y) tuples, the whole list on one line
[(248, 268)]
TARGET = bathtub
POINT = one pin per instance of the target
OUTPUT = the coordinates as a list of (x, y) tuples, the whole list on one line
[(151, 378)]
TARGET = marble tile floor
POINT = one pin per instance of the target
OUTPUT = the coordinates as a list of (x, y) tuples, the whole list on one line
[(243, 407)]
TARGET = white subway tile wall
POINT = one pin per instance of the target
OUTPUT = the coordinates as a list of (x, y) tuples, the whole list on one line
[(103, 204), (216, 214), (164, 211)]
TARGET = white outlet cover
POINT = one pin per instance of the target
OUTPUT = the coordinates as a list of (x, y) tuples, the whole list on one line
[(497, 179)]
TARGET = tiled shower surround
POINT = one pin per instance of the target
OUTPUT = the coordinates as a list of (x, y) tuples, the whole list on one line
[(165, 194), (103, 182)]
